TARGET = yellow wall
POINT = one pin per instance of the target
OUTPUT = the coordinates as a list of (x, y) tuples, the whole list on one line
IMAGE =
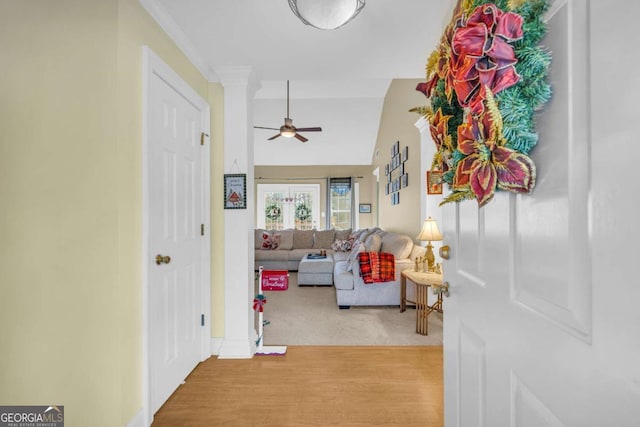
[(70, 184), (397, 124), (288, 174)]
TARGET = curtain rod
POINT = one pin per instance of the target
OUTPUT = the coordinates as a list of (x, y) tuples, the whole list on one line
[(302, 178)]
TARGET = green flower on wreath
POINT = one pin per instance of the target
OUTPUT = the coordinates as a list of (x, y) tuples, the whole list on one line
[(303, 212), (273, 212)]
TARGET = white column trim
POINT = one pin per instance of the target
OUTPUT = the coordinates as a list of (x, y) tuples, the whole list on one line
[(239, 342)]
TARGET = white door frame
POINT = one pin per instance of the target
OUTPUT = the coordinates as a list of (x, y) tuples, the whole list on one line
[(153, 64)]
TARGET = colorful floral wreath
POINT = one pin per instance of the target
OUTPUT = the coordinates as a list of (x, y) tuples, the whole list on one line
[(303, 212), (484, 83), (272, 212)]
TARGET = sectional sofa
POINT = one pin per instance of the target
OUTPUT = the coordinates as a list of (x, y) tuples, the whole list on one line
[(284, 249)]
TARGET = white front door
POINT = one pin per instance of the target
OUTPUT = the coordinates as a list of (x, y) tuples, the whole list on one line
[(176, 167), (540, 328)]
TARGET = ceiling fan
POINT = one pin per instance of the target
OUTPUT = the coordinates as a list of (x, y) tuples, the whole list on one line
[(288, 130)]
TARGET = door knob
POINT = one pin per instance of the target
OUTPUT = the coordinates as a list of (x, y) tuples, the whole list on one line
[(441, 289), (160, 259), (444, 252)]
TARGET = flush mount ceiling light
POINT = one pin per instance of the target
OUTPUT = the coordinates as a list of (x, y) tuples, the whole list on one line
[(326, 14)]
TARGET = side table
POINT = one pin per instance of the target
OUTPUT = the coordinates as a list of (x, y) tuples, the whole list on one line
[(423, 281)]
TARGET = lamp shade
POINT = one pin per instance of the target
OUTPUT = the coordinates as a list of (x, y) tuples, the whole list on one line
[(429, 231), (326, 14)]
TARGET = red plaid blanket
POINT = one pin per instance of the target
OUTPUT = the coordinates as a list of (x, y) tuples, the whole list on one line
[(377, 267)]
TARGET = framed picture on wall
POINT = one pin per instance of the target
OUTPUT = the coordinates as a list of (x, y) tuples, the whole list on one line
[(235, 191), (434, 182), (365, 207)]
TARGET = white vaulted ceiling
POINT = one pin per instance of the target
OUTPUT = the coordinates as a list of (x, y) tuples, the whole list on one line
[(338, 77)]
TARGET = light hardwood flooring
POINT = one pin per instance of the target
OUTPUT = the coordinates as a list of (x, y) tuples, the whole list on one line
[(313, 386)]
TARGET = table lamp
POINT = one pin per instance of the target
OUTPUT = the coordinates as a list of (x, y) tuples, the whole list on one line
[(430, 233)]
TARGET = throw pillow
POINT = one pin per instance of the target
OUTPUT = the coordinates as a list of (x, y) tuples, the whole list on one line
[(324, 239), (416, 252), (258, 238), (270, 241), (399, 245), (341, 245), (302, 239)]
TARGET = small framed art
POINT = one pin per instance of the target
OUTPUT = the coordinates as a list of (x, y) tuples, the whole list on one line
[(365, 207), (235, 191), (434, 182)]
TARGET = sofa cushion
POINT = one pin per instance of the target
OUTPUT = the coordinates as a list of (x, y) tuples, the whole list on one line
[(324, 239), (366, 233), (343, 234), (373, 243), (269, 255), (302, 239), (342, 279), (286, 239), (340, 256), (399, 245)]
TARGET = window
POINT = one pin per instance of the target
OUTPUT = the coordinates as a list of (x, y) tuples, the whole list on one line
[(341, 202), (281, 206)]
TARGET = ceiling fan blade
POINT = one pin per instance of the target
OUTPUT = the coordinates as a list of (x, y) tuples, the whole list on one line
[(300, 137), (316, 129), (262, 127), (273, 137)]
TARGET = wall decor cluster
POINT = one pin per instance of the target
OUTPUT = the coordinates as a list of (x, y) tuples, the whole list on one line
[(397, 177), (485, 80)]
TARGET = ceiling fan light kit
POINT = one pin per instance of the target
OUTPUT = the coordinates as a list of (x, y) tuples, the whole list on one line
[(288, 130), (326, 14)]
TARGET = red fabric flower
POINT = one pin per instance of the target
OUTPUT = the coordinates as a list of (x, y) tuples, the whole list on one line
[(482, 55), (488, 164)]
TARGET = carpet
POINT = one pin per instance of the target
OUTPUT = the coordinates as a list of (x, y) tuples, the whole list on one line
[(309, 315)]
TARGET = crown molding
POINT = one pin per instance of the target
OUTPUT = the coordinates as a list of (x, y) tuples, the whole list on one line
[(175, 33)]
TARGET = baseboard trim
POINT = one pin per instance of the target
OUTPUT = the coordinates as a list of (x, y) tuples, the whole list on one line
[(137, 420)]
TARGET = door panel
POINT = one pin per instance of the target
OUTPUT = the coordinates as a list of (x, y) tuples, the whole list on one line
[(472, 372), (175, 205), (520, 346)]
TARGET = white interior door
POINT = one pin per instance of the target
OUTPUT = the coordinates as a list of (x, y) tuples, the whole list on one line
[(536, 332), (175, 216)]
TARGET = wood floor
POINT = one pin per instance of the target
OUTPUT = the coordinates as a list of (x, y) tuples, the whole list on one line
[(313, 386)]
